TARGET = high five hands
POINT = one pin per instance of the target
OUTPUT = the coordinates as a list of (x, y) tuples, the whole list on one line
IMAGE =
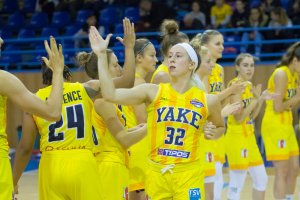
[(99, 45)]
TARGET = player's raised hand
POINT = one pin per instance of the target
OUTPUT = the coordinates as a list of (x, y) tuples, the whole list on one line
[(257, 90), (129, 34), (98, 44), (55, 55)]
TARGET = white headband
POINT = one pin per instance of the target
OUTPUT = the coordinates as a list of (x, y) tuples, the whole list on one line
[(190, 51)]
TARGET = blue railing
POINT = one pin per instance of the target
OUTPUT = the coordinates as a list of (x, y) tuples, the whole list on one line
[(27, 56)]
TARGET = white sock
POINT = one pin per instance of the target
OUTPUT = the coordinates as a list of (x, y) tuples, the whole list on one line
[(289, 197)]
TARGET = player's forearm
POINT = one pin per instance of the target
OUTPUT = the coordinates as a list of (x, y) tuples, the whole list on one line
[(224, 94), (54, 100), (21, 160), (127, 139), (291, 103), (247, 111), (257, 108), (129, 68), (106, 82)]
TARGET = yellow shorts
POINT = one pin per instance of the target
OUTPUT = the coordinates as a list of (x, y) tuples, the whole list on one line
[(183, 182), (138, 160), (220, 150), (209, 163), (280, 141), (242, 151), (114, 180), (70, 174), (255, 158), (6, 181)]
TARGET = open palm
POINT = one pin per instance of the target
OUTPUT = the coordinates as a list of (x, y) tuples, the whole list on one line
[(98, 44)]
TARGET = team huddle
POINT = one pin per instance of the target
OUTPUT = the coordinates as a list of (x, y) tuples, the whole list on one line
[(127, 135)]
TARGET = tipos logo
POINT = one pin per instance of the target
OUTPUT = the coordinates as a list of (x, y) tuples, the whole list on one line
[(173, 153)]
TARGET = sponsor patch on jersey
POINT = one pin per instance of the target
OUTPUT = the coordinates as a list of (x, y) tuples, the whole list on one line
[(209, 157), (173, 153), (126, 194), (281, 144), (197, 103), (244, 153), (194, 194)]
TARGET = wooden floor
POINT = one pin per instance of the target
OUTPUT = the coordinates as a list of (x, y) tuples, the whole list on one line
[(28, 187)]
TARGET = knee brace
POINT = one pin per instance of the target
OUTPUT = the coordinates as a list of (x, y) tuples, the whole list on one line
[(259, 177), (236, 183)]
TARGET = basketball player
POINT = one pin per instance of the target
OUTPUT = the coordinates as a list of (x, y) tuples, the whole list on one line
[(174, 154), (12, 88), (277, 124)]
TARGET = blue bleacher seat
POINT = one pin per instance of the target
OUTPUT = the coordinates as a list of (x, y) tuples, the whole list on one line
[(60, 19), (285, 4), (5, 33), (26, 33), (180, 14), (38, 20), (49, 31), (69, 57), (37, 56), (120, 55), (10, 6), (82, 15), (254, 3), (231, 48), (108, 16), (1, 22), (132, 13), (71, 30), (11, 58), (118, 28), (29, 6), (154, 42), (15, 21)]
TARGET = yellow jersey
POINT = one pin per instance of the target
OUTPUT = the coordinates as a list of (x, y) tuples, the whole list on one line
[(160, 68), (130, 117), (74, 129), (175, 125), (286, 116), (3, 135), (113, 151), (216, 85), (220, 13), (246, 127), (215, 80)]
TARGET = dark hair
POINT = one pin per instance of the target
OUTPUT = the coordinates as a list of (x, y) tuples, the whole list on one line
[(170, 35), (47, 73), (90, 62), (292, 52), (281, 13), (140, 45), (85, 27)]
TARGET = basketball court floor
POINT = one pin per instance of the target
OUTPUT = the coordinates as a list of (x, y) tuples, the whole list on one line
[(28, 187)]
